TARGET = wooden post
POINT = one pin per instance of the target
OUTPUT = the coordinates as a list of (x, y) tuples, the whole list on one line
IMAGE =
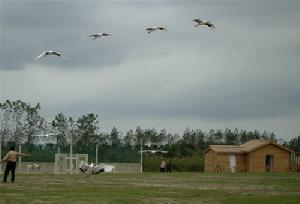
[(71, 158), (20, 158), (96, 162)]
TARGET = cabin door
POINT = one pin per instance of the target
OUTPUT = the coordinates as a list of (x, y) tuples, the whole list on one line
[(269, 163), (232, 163)]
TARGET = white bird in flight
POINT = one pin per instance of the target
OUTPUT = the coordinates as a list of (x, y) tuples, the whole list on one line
[(151, 29), (95, 169), (201, 22), (47, 53), (98, 35), (154, 151)]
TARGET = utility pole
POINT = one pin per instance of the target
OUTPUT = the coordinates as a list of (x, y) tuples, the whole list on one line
[(96, 162), (141, 155), (71, 155), (0, 151)]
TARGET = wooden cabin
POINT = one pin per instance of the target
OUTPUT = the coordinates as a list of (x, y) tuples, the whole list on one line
[(253, 156)]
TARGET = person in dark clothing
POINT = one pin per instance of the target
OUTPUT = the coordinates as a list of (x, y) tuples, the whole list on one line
[(169, 167), (11, 163)]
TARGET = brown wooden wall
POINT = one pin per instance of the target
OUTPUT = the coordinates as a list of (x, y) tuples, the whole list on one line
[(210, 158), (253, 162), (241, 163), (257, 159), (218, 162)]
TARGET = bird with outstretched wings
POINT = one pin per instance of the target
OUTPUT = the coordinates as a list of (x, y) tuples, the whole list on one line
[(95, 169), (153, 151)]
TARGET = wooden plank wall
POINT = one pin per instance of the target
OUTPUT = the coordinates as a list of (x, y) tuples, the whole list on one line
[(257, 159)]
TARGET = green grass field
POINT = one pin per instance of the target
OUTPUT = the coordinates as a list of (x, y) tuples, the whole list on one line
[(153, 188)]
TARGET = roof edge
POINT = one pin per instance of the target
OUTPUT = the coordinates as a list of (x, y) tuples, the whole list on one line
[(273, 143)]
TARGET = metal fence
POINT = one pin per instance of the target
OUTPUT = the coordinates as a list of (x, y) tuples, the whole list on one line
[(49, 168)]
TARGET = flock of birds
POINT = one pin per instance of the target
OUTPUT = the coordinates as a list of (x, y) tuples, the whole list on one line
[(94, 36), (95, 169)]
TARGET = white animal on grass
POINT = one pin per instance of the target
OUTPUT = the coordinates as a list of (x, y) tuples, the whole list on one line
[(151, 29), (201, 22), (95, 169), (33, 166), (47, 53)]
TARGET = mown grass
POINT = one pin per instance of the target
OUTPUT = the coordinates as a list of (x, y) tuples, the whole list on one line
[(148, 188)]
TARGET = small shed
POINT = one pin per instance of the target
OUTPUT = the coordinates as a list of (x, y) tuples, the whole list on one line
[(253, 156)]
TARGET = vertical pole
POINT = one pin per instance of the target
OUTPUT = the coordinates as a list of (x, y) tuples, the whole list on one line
[(96, 162), (71, 155), (141, 155), (0, 152), (58, 150), (20, 160)]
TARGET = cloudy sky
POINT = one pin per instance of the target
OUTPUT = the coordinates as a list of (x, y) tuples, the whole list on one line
[(245, 74)]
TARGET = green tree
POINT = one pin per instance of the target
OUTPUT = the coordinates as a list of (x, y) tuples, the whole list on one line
[(231, 138), (114, 137), (87, 126), (294, 144), (243, 136), (64, 127), (151, 137), (139, 135), (172, 138), (200, 140), (34, 123), (20, 121), (162, 136), (189, 137), (129, 139), (210, 137)]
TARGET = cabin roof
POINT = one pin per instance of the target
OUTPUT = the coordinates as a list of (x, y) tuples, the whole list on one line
[(244, 148)]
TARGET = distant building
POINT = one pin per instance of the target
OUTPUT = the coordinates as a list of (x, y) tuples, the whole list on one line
[(253, 156)]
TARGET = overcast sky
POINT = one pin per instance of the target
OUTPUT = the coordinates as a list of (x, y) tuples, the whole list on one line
[(245, 74)]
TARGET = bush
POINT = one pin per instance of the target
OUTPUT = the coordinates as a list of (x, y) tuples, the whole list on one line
[(187, 164)]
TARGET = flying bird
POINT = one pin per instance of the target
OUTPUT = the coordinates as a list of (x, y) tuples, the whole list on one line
[(47, 53), (97, 35), (95, 169), (201, 22), (154, 151), (151, 29), (47, 134)]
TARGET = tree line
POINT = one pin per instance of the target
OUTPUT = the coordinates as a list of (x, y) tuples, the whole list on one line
[(21, 122)]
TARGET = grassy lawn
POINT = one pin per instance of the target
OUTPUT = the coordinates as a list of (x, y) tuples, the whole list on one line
[(153, 188)]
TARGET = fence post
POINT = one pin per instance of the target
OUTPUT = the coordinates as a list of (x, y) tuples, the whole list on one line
[(96, 162), (71, 158), (20, 160), (0, 152)]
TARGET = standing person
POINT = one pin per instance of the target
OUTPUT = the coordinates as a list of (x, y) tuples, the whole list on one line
[(11, 161), (162, 166), (169, 166)]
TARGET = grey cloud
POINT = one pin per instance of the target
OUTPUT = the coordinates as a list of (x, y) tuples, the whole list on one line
[(247, 70)]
